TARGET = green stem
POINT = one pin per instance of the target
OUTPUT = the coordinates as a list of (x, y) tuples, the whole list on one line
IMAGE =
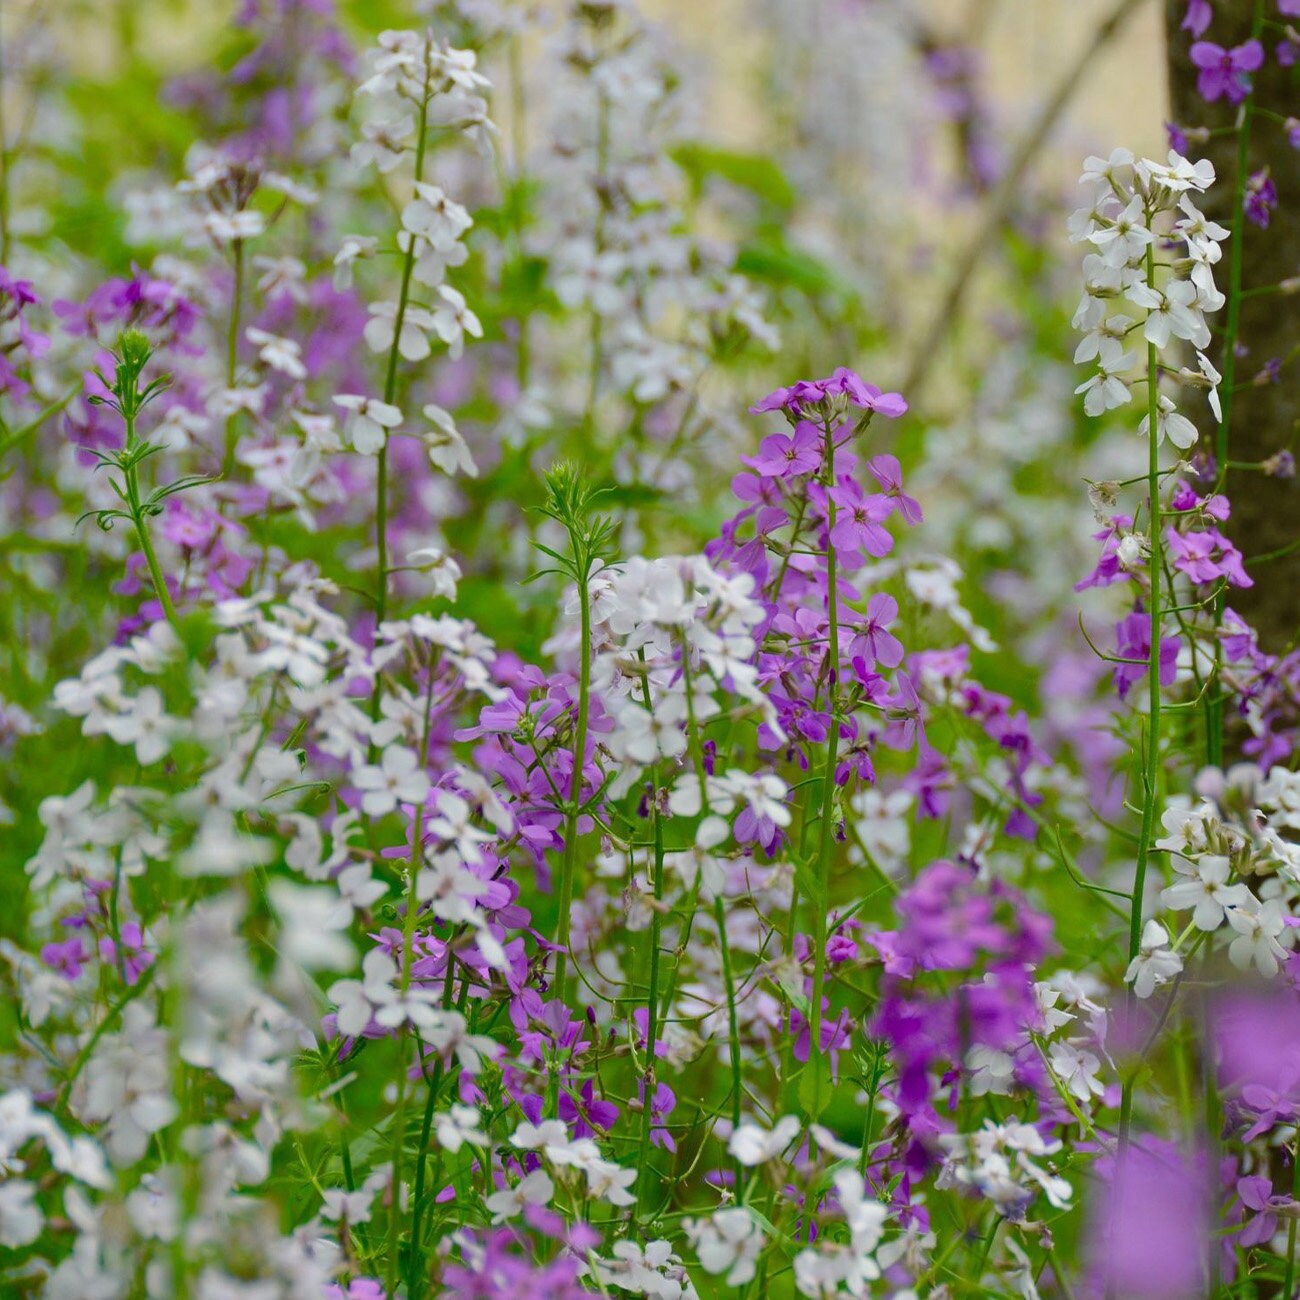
[(1288, 1286), (390, 393), (1152, 767), (647, 1182), (232, 355), (569, 859), (822, 873), (404, 984), (138, 517)]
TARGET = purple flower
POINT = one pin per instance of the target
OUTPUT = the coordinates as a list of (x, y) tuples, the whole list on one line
[(66, 958), (873, 639), (1205, 555), (858, 527), (1197, 18), (1260, 198), (787, 457), (1150, 1227), (1133, 642), (865, 395), (1224, 72), (1256, 1193), (587, 1113), (889, 474)]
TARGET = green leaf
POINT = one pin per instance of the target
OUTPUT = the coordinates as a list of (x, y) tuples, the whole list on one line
[(815, 1085), (757, 174)]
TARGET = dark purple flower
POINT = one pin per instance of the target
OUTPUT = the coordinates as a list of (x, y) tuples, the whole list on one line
[(1260, 198)]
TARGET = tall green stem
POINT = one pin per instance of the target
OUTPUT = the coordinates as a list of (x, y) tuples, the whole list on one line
[(232, 354), (408, 960), (823, 865), (390, 393), (1151, 772), (132, 476), (575, 789), (649, 1077)]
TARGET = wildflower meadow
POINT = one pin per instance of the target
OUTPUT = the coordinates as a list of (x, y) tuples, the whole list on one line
[(590, 710)]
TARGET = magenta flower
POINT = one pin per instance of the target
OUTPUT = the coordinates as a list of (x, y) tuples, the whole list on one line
[(1133, 643), (1225, 72), (865, 395), (873, 639), (1150, 1227), (787, 457), (889, 474), (1207, 555), (858, 527)]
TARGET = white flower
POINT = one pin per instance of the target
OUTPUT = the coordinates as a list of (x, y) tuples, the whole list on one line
[(434, 217), (990, 1071), (376, 997), (1180, 430), (21, 1220), (144, 725), (1206, 889), (352, 249), (1125, 237), (536, 1189), (1077, 1070), (1106, 389), (452, 320), (1258, 927), (397, 779), (229, 227), (381, 328), (313, 928), (1108, 170), (753, 1145), (1155, 963), (368, 424), (280, 354), (347, 1207), (1179, 175), (459, 1125), (1172, 312), (610, 1182), (445, 447), (1114, 327), (730, 1242), (441, 568)]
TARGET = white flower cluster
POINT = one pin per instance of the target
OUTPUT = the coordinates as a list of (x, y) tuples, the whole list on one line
[(685, 631), (1131, 203), (1000, 1162), (1232, 862)]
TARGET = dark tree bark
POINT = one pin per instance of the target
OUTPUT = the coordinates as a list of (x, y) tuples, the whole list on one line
[(1264, 417)]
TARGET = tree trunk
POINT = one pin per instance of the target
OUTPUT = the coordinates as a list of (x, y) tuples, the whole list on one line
[(1264, 416)]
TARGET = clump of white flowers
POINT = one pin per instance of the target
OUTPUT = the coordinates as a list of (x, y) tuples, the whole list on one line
[(1154, 251)]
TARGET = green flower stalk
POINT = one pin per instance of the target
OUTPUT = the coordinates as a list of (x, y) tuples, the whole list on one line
[(128, 398)]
